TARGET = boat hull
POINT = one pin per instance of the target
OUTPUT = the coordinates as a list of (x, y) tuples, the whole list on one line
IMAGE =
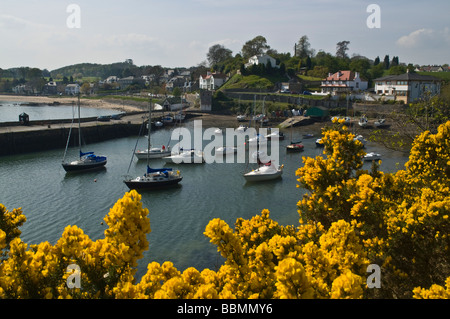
[(69, 167), (372, 157), (143, 155), (185, 158), (260, 178), (262, 174), (152, 184), (294, 148)]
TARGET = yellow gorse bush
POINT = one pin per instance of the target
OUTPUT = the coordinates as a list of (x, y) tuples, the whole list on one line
[(350, 218)]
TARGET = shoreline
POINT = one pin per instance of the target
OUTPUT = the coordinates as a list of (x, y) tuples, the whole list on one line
[(99, 104), (208, 119)]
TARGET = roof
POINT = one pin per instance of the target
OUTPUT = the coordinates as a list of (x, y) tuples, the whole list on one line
[(408, 77), (342, 76), (215, 75)]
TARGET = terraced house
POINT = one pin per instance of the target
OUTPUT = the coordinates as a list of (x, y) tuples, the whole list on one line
[(408, 87)]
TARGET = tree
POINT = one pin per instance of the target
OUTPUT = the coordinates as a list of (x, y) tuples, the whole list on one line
[(308, 63), (376, 71), (34, 73), (395, 61), (85, 88), (341, 49), (386, 62), (256, 46), (319, 71), (218, 54), (376, 61), (327, 60), (361, 65), (303, 48), (396, 70)]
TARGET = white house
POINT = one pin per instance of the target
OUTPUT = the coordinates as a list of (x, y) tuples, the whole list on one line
[(212, 81), (72, 89), (111, 79), (262, 59), (343, 82), (407, 87)]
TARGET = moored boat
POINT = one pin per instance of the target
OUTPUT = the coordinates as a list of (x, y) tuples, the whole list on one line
[(185, 157), (264, 173), (241, 118), (372, 156), (87, 160), (155, 152), (226, 150), (380, 122), (295, 147), (319, 143), (363, 122), (155, 178), (361, 139), (276, 135)]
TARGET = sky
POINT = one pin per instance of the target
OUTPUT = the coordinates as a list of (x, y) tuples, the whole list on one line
[(49, 34)]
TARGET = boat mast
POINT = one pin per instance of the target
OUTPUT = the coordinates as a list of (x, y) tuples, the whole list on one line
[(149, 129), (79, 125)]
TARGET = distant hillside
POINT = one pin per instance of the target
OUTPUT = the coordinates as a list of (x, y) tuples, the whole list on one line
[(121, 69)]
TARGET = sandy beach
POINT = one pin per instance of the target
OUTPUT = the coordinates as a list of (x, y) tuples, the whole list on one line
[(101, 104)]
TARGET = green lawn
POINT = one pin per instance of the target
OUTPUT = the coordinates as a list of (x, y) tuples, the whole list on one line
[(441, 75), (256, 82)]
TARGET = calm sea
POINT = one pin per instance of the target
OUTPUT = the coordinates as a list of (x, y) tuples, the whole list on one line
[(52, 199)]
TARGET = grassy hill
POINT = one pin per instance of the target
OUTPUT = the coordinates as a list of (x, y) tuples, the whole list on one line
[(253, 82), (444, 76)]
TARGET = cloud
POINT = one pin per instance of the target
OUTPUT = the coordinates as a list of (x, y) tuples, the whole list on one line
[(425, 37), (14, 23)]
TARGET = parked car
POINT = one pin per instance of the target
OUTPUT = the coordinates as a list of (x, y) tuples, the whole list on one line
[(306, 93), (104, 118)]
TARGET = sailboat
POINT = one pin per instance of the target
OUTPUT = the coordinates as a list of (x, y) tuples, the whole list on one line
[(265, 172), (152, 152), (87, 160), (154, 177), (294, 146), (363, 121)]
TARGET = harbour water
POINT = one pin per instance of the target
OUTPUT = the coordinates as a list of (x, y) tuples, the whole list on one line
[(10, 111), (51, 199)]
